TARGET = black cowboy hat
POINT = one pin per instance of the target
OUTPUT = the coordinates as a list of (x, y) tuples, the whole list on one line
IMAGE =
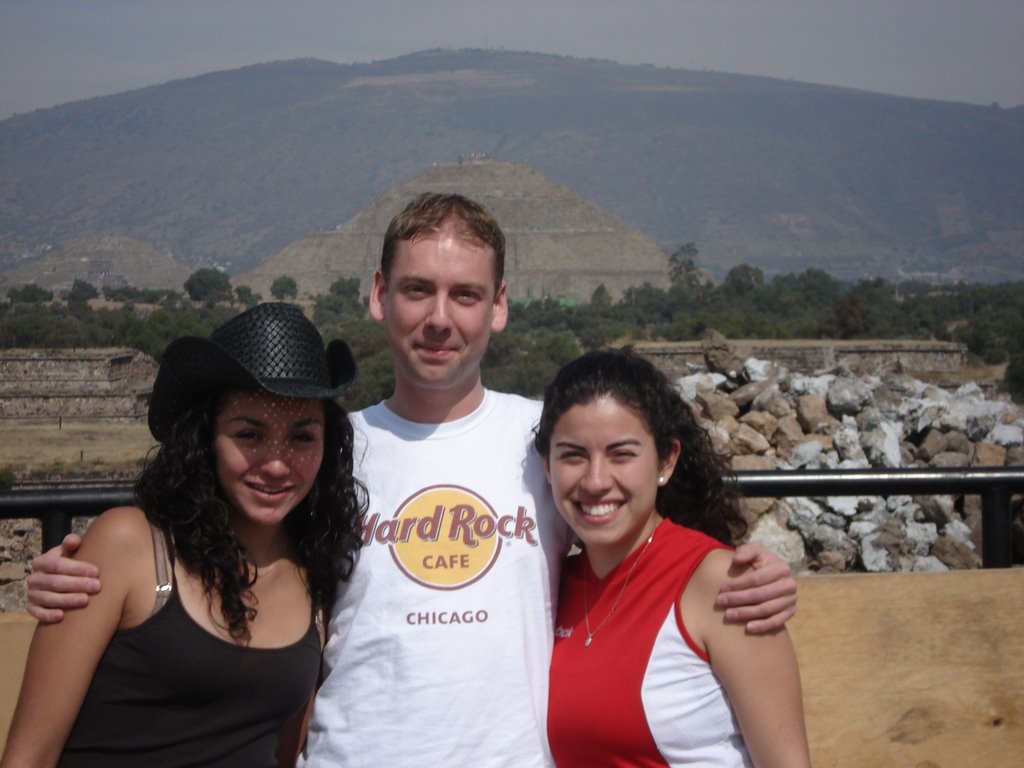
[(272, 347)]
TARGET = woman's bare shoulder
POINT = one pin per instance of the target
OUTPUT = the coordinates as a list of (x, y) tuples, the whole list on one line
[(697, 603), (715, 568), (119, 530)]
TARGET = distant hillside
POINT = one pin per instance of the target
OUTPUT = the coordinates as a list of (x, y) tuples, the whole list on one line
[(557, 244), (103, 262), (230, 167)]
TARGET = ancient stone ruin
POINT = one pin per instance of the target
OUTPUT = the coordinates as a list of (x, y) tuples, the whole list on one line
[(90, 383)]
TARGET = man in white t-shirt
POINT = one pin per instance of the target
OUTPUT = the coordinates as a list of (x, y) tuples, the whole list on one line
[(438, 648)]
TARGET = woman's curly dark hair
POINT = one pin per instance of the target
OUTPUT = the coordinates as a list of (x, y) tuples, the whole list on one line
[(180, 493), (696, 495)]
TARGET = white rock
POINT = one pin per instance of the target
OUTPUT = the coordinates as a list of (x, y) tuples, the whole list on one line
[(848, 395), (786, 543), (882, 444), (847, 506), (846, 440), (689, 386), (923, 535), (957, 529), (861, 528), (929, 564), (876, 560), (1006, 435), (799, 384), (757, 370), (802, 454)]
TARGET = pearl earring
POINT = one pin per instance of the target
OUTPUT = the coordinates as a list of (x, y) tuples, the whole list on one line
[(661, 479)]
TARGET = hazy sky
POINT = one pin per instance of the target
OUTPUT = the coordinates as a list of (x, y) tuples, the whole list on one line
[(54, 51)]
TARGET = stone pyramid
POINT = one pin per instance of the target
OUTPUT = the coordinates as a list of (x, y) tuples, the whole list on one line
[(558, 244), (102, 261)]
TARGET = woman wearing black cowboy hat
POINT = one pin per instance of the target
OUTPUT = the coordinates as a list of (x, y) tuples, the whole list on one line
[(204, 641)]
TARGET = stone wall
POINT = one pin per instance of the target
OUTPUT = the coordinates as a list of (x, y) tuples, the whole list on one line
[(127, 407), (102, 383), (679, 358)]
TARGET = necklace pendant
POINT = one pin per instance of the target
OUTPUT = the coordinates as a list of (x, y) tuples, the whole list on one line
[(586, 643)]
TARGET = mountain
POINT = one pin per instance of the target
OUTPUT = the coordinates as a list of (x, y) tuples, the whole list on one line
[(556, 243), (231, 167)]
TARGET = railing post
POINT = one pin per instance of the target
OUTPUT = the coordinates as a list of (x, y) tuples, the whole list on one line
[(56, 525), (996, 529)]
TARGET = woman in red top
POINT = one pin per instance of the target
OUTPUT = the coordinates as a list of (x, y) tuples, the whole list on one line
[(646, 671)]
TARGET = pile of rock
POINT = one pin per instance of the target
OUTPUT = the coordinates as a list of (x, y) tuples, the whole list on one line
[(20, 541), (768, 418)]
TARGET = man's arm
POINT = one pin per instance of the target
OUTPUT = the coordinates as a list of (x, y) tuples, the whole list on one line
[(764, 598), (58, 583)]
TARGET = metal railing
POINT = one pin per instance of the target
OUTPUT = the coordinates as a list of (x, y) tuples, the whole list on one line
[(56, 508)]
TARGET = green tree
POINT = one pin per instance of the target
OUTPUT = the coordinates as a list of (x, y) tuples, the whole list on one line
[(600, 298), (643, 305), (246, 297), (346, 287), (742, 280), (849, 318), (284, 287), (682, 267), (1014, 377), (80, 292), (29, 294), (125, 293), (374, 382), (209, 285)]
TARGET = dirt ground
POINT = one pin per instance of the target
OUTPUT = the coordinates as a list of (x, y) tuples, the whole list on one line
[(71, 445)]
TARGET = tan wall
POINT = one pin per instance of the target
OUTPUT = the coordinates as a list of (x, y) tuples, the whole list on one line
[(15, 636), (898, 669), (913, 669)]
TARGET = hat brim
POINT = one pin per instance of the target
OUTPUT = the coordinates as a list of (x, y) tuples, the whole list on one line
[(194, 367)]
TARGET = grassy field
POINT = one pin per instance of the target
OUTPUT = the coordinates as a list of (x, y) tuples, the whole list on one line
[(74, 445)]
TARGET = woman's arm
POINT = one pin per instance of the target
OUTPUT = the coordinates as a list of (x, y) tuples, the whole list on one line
[(63, 657), (759, 672), (293, 736)]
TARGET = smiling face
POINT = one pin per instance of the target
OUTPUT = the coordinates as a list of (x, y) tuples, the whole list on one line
[(440, 307), (268, 452), (604, 472)]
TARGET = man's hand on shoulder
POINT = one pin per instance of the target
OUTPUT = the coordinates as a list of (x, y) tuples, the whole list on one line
[(59, 583), (764, 597)]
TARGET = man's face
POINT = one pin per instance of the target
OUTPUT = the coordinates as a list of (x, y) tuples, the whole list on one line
[(440, 307)]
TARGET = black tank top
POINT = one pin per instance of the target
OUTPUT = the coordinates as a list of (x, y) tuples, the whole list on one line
[(169, 693)]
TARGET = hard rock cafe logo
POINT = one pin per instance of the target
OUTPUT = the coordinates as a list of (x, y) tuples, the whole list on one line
[(447, 537)]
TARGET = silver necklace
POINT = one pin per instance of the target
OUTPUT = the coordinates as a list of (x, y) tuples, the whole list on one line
[(625, 583)]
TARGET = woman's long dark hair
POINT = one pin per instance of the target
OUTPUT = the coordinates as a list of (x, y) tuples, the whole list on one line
[(696, 495), (180, 493)]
